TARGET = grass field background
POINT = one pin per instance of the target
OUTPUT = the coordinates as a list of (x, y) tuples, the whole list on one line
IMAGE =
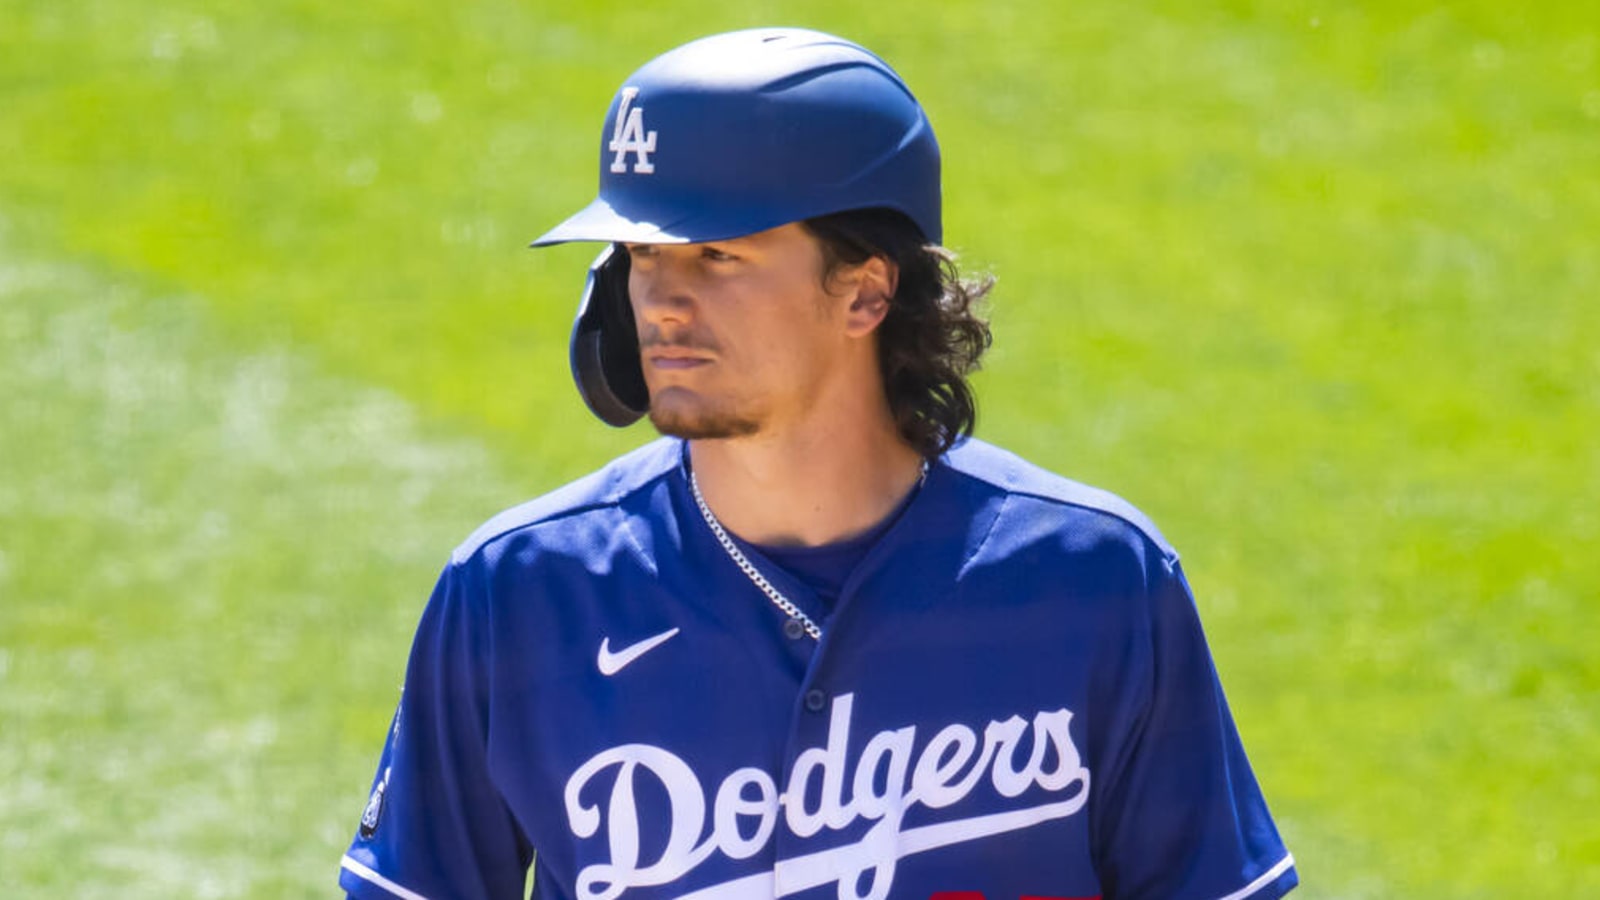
[(1313, 284)]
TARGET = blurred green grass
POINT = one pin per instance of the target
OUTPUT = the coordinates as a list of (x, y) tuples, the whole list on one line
[(1312, 285), (209, 554)]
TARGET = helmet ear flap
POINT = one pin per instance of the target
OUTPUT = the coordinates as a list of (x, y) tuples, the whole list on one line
[(604, 352)]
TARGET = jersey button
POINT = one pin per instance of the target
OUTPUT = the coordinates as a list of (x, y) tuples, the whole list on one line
[(816, 700), (794, 629)]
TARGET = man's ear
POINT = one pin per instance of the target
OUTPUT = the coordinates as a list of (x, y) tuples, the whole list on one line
[(875, 282)]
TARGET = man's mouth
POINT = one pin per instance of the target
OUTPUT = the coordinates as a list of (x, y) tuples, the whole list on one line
[(669, 357), (678, 362)]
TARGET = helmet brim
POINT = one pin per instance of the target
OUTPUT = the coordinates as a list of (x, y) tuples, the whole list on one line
[(600, 221)]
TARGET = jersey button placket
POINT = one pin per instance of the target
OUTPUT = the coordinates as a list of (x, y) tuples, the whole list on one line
[(816, 700)]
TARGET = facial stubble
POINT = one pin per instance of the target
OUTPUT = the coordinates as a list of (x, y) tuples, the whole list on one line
[(700, 425)]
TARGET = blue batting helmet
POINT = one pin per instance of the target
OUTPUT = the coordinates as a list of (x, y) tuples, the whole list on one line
[(727, 136)]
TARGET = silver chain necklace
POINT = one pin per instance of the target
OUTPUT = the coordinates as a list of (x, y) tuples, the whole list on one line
[(748, 568)]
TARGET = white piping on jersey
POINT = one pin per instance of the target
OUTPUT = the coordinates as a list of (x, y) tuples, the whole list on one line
[(366, 874), (1267, 877)]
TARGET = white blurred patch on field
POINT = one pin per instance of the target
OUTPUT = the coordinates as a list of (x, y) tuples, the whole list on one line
[(210, 563), (144, 366)]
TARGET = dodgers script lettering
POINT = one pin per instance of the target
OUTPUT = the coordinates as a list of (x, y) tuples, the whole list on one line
[(894, 774)]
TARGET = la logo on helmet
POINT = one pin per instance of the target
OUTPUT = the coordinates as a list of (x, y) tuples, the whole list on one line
[(629, 136)]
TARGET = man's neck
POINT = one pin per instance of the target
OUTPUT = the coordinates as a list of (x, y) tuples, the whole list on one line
[(806, 487)]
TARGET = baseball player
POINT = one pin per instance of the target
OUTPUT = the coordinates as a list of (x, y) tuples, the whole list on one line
[(816, 641)]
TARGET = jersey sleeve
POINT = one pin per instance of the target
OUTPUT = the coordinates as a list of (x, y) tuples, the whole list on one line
[(435, 826), (1181, 816)]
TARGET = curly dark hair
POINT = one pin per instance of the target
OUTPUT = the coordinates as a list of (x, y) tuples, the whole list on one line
[(933, 335)]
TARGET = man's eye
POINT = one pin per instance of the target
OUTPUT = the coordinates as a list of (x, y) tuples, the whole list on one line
[(641, 251), (716, 255)]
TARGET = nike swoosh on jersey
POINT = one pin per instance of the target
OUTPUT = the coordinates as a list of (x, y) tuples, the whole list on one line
[(612, 663)]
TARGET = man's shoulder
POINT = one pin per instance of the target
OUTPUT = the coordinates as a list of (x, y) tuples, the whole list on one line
[(1014, 476), (598, 491)]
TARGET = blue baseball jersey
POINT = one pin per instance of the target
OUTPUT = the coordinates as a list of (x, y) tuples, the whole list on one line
[(1011, 698)]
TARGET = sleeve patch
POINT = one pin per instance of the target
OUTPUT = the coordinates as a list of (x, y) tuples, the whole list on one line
[(373, 814)]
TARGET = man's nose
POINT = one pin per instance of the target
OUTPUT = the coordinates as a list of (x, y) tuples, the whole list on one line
[(662, 293)]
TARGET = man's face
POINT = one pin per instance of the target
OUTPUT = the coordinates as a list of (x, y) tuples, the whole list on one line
[(735, 336)]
